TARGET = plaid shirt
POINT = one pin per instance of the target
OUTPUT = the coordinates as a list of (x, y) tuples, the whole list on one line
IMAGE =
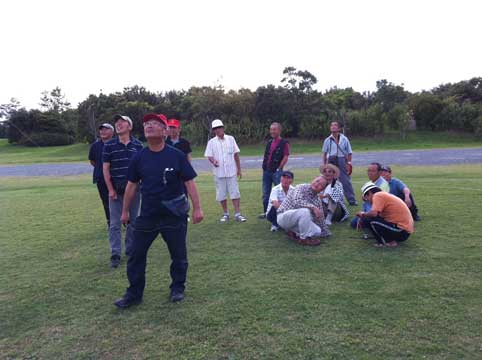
[(303, 197)]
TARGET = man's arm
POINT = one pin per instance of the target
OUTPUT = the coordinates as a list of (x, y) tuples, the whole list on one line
[(129, 194), (406, 192), (197, 213), (92, 162), (108, 181), (283, 162), (238, 164), (189, 157)]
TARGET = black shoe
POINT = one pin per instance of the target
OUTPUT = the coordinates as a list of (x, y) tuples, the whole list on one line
[(115, 261), (417, 218), (176, 296), (125, 302), (354, 204), (262, 216)]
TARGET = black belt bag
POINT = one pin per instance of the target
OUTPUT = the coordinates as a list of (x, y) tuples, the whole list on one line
[(179, 206)]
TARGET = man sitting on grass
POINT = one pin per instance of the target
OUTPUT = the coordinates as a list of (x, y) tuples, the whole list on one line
[(400, 190), (277, 196), (301, 213), (389, 218)]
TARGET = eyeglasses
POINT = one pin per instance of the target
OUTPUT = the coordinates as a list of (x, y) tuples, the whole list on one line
[(153, 123)]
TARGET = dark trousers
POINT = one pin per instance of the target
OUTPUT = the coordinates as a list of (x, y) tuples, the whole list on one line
[(413, 209), (272, 216), (104, 196), (269, 178), (173, 231), (385, 231)]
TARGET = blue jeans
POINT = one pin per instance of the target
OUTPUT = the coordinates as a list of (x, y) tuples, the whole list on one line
[(115, 226), (269, 178), (173, 230)]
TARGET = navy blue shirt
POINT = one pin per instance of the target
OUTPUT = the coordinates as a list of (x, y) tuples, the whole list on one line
[(396, 187), (162, 175), (95, 155), (181, 144), (119, 157)]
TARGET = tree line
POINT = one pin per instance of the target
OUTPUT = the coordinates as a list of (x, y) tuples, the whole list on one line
[(303, 111)]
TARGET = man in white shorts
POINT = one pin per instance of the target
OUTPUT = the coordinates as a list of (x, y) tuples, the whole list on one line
[(223, 153)]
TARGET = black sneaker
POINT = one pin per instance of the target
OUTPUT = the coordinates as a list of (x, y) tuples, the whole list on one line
[(354, 203), (115, 261), (125, 302), (176, 296)]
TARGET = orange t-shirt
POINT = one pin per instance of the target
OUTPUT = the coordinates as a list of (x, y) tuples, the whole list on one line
[(393, 210)]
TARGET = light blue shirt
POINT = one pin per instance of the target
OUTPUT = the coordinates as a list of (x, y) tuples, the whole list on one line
[(330, 148)]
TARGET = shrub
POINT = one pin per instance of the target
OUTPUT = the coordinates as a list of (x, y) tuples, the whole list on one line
[(47, 139)]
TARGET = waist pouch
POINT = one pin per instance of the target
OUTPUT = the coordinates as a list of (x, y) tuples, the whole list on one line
[(120, 186), (179, 206)]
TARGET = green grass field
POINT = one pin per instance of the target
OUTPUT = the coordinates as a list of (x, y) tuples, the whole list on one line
[(15, 154), (251, 294)]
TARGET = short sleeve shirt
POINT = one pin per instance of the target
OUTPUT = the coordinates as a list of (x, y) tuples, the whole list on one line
[(278, 194), (393, 210), (223, 151), (330, 148), (396, 187), (182, 144), (161, 175), (95, 155), (119, 157), (274, 145)]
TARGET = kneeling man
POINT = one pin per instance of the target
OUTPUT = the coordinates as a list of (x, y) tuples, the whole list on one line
[(389, 218), (301, 213)]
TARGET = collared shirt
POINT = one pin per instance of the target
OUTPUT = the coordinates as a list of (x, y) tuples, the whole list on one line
[(223, 151), (396, 187), (331, 149), (119, 156), (181, 144), (393, 210), (162, 176), (95, 155), (278, 194), (335, 192), (303, 196)]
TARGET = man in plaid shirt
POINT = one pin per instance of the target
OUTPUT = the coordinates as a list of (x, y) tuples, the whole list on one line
[(301, 213)]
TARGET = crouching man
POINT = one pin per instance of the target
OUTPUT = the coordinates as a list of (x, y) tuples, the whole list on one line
[(301, 213), (277, 196), (389, 218), (162, 171)]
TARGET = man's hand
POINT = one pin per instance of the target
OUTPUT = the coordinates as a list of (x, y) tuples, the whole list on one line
[(317, 212), (112, 195), (125, 217), (360, 214), (276, 204), (240, 175), (408, 202), (197, 216)]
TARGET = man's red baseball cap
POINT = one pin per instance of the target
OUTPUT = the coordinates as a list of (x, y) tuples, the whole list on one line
[(174, 122), (159, 117)]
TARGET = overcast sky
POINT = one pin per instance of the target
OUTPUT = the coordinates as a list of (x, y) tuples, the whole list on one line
[(87, 46)]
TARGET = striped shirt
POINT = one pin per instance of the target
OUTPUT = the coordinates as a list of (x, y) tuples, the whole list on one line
[(223, 151), (119, 156), (330, 148)]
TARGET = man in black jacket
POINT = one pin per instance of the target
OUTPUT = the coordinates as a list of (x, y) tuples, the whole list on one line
[(275, 158)]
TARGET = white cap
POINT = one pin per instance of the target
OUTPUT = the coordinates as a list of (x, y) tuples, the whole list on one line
[(217, 123), (368, 186), (123, 117), (107, 126)]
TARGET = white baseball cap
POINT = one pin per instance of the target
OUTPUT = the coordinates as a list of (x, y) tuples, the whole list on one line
[(123, 117), (107, 126), (217, 123)]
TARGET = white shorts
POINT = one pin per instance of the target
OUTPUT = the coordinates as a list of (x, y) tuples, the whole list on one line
[(226, 185)]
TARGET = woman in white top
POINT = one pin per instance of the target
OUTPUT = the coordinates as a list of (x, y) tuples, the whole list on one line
[(334, 206)]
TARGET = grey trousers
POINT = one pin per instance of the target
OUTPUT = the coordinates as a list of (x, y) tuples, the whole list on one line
[(299, 221), (115, 228), (345, 180)]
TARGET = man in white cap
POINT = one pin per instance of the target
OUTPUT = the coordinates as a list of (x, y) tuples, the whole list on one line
[(117, 155), (106, 131), (389, 218), (223, 153)]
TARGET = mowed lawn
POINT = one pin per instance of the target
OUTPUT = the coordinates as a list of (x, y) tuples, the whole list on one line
[(251, 294)]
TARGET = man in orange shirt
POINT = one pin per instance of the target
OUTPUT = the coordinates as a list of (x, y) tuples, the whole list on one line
[(389, 218)]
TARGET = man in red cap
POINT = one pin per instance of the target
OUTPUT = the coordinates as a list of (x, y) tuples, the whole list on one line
[(163, 172), (175, 140)]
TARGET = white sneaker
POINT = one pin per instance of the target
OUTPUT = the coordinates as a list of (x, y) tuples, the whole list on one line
[(328, 222), (274, 228), (240, 218), (224, 219)]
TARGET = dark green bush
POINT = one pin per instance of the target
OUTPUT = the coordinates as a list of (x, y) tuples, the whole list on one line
[(47, 139)]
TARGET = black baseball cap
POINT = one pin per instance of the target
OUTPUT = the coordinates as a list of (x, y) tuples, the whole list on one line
[(288, 174)]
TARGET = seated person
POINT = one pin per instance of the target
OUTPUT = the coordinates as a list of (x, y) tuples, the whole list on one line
[(389, 218), (332, 197), (374, 172), (301, 213), (399, 189), (277, 196)]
